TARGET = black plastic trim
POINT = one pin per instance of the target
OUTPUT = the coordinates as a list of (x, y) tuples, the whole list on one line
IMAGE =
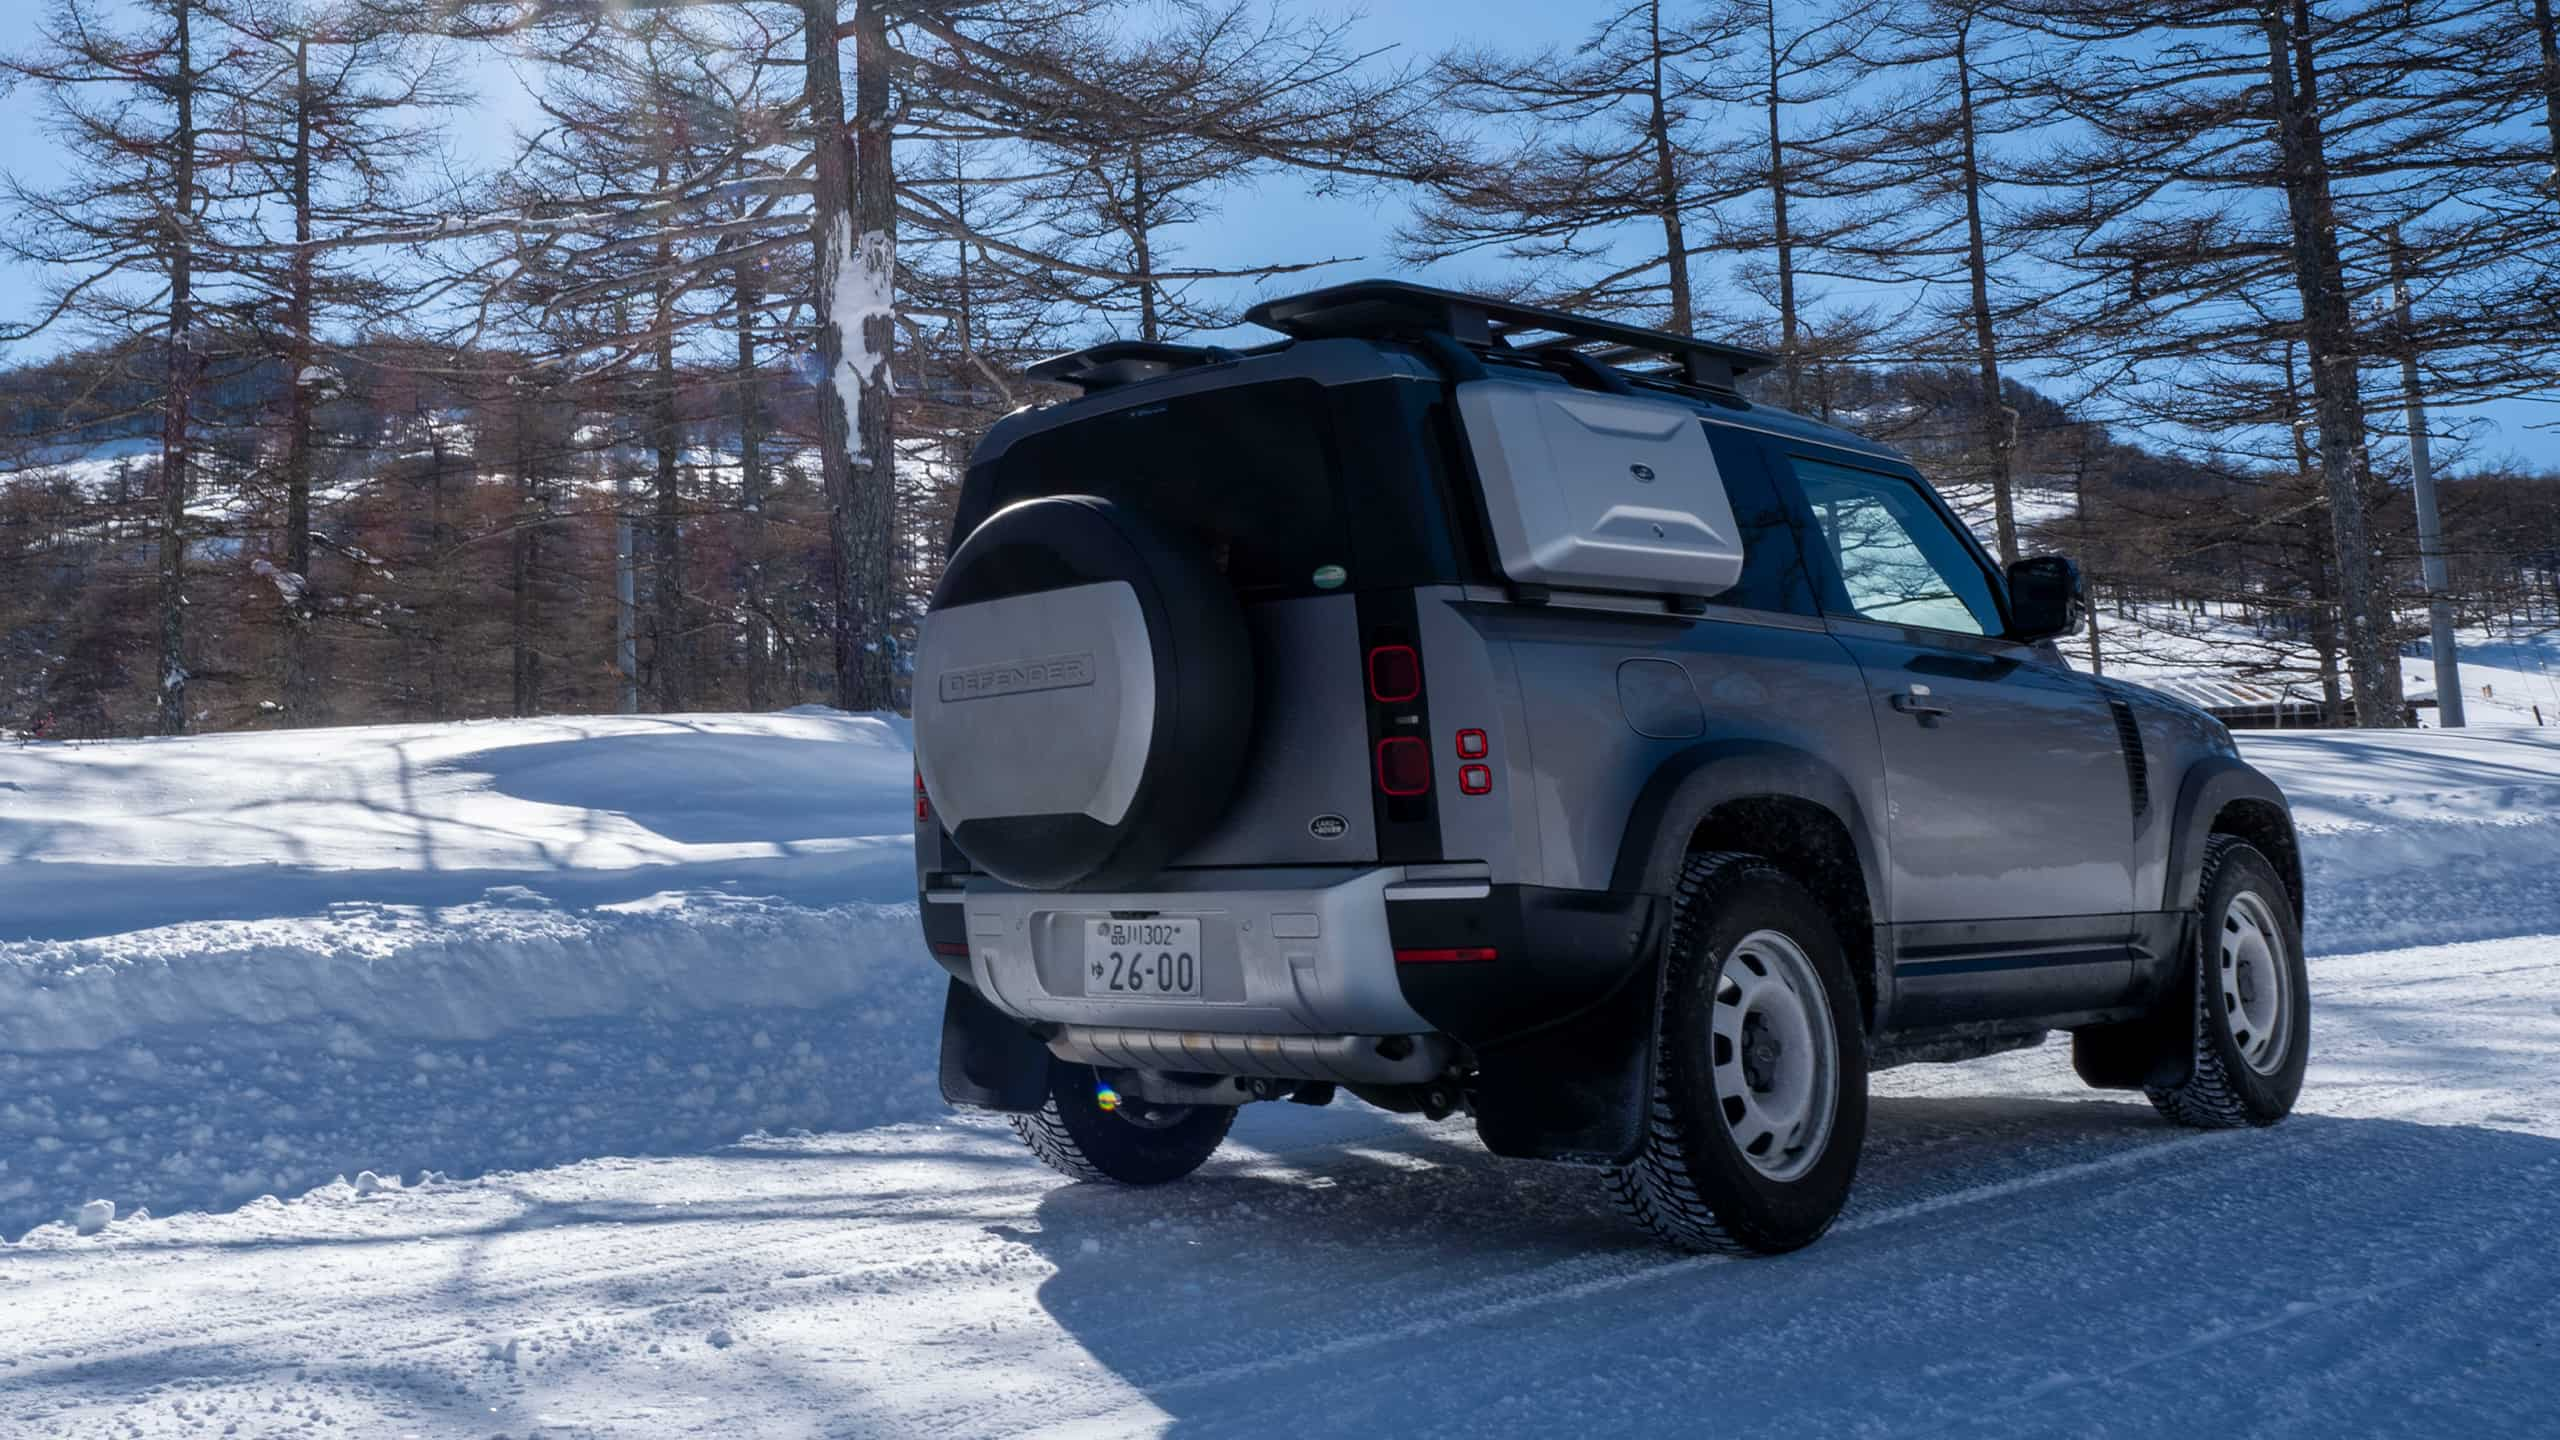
[(989, 1059), (2026, 971), (1560, 1023), (946, 933), (2211, 784), (1408, 826)]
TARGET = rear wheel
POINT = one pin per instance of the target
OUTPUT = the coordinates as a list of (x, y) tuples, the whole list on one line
[(1760, 1070), (1087, 1131), (2251, 1024)]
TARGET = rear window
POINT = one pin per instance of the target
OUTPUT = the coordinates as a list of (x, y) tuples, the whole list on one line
[(1249, 471)]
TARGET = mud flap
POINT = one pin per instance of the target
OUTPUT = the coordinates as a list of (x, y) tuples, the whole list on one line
[(2153, 1052), (1576, 1091), (989, 1061)]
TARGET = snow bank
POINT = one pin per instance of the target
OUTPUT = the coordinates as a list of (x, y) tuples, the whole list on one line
[(2422, 836), (244, 963), (109, 839)]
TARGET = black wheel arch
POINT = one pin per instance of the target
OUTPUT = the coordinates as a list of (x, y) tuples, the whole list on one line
[(1785, 804), (2225, 795)]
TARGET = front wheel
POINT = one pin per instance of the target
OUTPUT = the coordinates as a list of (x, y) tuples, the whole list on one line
[(1759, 1102), (1087, 1131), (2251, 1012)]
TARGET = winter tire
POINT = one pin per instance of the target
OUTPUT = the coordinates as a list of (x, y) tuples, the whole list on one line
[(1132, 1143), (1759, 1101), (2252, 997)]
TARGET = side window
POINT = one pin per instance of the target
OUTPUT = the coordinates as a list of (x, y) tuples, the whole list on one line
[(1773, 574), (1892, 557)]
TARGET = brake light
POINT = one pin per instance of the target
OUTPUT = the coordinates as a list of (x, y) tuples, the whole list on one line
[(1458, 955), (1472, 745), (924, 807), (1395, 674), (1475, 779), (1404, 765)]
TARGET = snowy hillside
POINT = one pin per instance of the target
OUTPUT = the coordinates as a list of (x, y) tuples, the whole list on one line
[(2510, 676)]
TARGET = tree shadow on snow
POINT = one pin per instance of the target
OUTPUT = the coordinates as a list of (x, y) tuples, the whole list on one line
[(2006, 1266)]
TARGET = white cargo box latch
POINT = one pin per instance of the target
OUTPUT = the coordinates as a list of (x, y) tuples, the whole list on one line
[(1600, 492)]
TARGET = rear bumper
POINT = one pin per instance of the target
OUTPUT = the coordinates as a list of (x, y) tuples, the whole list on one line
[(1298, 952), (1556, 1025), (1303, 951)]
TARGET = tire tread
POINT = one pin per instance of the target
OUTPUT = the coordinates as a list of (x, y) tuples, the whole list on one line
[(1045, 1131), (1658, 1192), (2207, 1100)]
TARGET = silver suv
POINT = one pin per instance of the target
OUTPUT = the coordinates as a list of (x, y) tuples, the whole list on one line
[(1488, 711)]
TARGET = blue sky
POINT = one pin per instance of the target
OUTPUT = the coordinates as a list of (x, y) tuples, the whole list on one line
[(1359, 227)]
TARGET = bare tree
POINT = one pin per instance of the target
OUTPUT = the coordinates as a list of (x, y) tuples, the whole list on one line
[(124, 236), (1594, 187), (2226, 195), (1928, 158), (325, 110)]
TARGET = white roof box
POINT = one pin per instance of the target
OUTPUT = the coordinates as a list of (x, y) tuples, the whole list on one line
[(1595, 491)]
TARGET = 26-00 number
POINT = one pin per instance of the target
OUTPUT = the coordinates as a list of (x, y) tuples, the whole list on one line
[(1151, 972)]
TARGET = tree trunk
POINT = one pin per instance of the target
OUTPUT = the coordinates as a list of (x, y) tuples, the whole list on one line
[(2329, 333), (1141, 248), (751, 498), (1779, 234), (2549, 34), (304, 704), (666, 534), (2443, 650), (2320, 580), (442, 607), (1666, 175), (855, 232), (184, 364), (524, 674), (1999, 422), (2080, 527)]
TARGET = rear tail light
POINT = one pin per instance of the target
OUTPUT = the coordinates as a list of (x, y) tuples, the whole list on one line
[(924, 807), (1475, 779), (1395, 674), (1404, 765)]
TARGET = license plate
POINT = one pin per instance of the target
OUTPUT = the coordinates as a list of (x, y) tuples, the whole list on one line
[(1142, 959)]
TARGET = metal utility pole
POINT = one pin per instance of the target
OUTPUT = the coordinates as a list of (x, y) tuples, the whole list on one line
[(2422, 477), (626, 646)]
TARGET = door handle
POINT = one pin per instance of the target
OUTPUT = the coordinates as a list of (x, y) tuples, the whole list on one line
[(1915, 702)]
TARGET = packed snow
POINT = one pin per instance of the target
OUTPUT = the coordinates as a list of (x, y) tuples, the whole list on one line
[(621, 1029)]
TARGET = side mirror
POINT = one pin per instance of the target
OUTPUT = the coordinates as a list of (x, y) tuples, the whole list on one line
[(2046, 598)]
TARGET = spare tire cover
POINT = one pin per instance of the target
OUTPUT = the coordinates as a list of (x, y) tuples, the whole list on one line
[(1084, 694)]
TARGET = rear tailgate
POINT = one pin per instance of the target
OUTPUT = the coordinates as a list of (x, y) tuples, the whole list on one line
[(1252, 472)]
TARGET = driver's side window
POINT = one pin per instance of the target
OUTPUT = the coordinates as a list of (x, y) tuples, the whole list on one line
[(1891, 555)]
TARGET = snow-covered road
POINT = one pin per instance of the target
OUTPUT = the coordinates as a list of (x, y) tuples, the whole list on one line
[(2022, 1257)]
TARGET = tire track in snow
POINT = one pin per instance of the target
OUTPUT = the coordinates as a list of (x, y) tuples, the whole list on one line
[(1583, 1278)]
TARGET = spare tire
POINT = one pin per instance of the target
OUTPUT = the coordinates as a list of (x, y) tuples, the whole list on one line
[(1084, 694)]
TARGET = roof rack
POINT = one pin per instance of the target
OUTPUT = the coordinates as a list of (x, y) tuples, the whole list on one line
[(1123, 362), (1381, 308)]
